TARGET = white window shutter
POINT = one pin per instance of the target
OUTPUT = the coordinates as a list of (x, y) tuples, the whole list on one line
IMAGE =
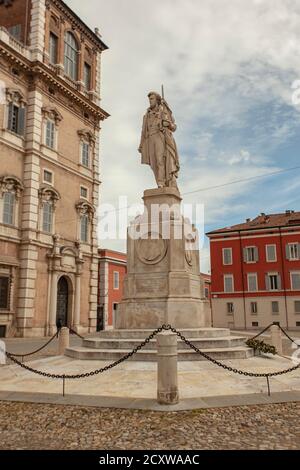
[(267, 280), (287, 252), (256, 254), (279, 281)]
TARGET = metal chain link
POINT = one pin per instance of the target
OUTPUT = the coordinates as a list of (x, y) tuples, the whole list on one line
[(229, 368), (288, 336), (38, 350), (94, 372), (75, 333), (141, 346), (262, 332)]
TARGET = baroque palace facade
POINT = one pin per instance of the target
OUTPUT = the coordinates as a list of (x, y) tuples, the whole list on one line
[(50, 118)]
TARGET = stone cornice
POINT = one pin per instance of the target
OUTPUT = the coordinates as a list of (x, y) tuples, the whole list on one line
[(40, 70), (78, 23)]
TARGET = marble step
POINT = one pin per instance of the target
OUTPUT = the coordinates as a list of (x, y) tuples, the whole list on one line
[(130, 343), (143, 333), (83, 353)]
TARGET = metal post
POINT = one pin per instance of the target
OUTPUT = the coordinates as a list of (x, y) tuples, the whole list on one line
[(167, 376)]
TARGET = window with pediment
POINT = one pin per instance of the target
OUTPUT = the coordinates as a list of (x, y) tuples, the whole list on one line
[(10, 191), (48, 203)]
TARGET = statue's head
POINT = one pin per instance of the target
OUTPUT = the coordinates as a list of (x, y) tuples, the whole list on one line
[(154, 99)]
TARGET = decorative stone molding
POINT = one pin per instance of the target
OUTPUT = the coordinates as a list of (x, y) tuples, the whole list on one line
[(52, 113), (47, 193), (14, 95), (87, 135), (11, 183), (85, 208)]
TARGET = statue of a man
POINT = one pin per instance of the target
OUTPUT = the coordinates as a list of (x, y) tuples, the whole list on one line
[(158, 147)]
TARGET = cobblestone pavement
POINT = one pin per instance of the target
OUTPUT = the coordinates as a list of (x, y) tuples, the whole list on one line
[(32, 426)]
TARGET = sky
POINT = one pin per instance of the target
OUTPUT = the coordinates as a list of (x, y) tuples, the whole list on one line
[(230, 71)]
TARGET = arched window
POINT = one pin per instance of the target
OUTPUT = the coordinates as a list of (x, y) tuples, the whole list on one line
[(71, 56)]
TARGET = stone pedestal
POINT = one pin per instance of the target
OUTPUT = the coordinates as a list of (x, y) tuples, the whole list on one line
[(276, 339), (63, 340), (163, 282)]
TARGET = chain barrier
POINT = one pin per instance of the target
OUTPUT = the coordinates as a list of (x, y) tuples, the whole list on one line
[(288, 336), (229, 368), (73, 332), (93, 373), (262, 332), (36, 351)]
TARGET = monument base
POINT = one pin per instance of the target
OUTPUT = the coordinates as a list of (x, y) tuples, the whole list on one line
[(163, 283)]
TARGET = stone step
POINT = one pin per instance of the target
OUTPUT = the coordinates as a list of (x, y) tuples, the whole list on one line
[(188, 333), (131, 343), (151, 355)]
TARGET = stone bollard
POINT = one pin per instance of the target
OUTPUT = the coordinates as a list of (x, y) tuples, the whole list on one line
[(63, 340), (167, 377), (276, 339)]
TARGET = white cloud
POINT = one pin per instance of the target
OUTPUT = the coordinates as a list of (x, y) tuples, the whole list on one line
[(219, 60)]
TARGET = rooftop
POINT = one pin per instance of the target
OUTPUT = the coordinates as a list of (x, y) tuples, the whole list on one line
[(263, 221)]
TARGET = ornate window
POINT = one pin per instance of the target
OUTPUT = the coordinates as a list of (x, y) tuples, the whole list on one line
[(48, 200), (52, 118), (87, 140), (71, 56), (10, 191), (85, 212), (16, 111)]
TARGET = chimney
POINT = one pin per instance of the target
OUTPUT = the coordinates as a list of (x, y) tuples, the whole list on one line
[(263, 214), (248, 220), (288, 212)]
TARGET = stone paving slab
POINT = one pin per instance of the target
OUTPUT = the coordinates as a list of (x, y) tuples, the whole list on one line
[(219, 401)]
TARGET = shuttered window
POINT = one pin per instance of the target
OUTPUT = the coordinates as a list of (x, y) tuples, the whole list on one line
[(84, 229), (250, 254), (295, 281), (275, 307), (16, 119), (87, 76), (273, 282), (293, 251), (47, 217), (227, 256), (252, 282), (4, 293), (8, 208), (228, 283), (116, 280), (271, 253), (85, 154), (50, 134), (297, 306)]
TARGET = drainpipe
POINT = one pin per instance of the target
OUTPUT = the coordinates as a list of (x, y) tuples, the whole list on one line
[(283, 279), (243, 282)]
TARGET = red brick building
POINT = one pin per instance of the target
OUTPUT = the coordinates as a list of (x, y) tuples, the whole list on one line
[(112, 269), (255, 269)]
